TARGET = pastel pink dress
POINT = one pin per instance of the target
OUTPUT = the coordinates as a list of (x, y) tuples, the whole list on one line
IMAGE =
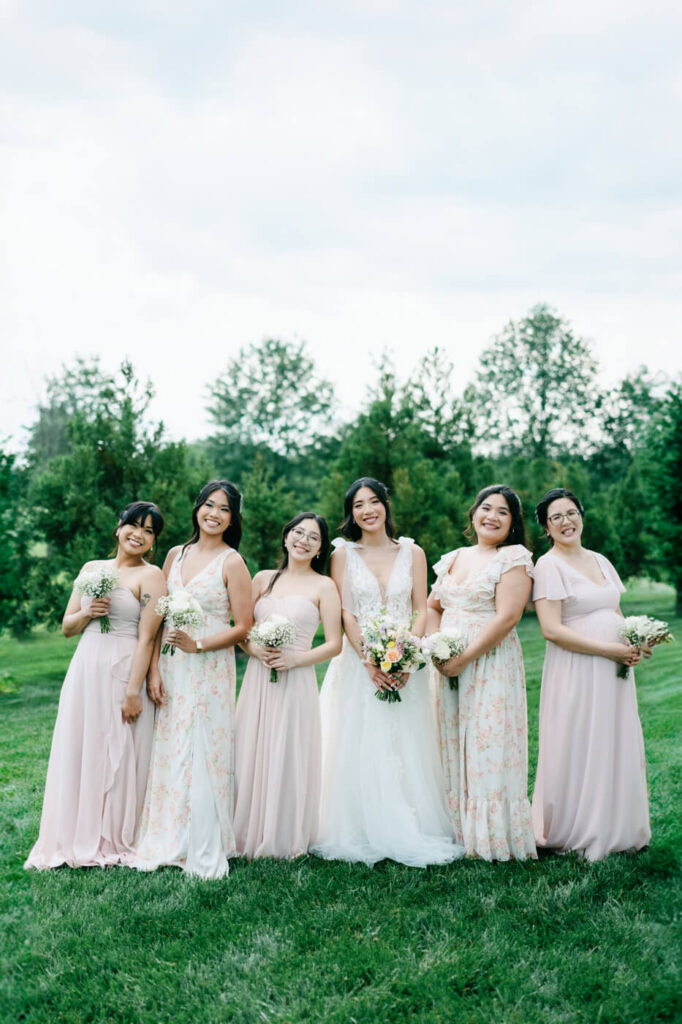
[(278, 745), (483, 724), (590, 791), (98, 764), (188, 809)]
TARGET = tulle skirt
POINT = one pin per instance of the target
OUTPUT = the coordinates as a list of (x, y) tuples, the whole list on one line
[(383, 794)]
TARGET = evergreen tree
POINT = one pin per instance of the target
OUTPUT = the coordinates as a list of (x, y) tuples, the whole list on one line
[(114, 457), (662, 470), (535, 392), (267, 506)]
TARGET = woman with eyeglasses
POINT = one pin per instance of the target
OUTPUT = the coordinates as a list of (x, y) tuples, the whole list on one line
[(590, 789), (277, 741)]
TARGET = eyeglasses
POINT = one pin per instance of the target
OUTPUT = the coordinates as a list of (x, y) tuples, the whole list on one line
[(559, 517), (301, 535)]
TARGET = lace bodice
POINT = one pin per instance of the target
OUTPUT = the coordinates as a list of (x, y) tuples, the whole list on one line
[(362, 594)]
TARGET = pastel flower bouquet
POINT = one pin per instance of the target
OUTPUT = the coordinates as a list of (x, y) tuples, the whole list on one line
[(275, 631), (392, 648), (443, 645), (99, 582), (642, 631), (181, 611)]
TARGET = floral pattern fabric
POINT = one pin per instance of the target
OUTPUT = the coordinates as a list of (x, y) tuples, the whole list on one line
[(188, 811), (483, 723)]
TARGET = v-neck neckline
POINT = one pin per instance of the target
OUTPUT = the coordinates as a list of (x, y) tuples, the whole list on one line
[(605, 580), (383, 593), (197, 574), (471, 575)]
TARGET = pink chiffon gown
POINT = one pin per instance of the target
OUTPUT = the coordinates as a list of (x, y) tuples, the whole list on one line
[(278, 745), (98, 764), (590, 791)]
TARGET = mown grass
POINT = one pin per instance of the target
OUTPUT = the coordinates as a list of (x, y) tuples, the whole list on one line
[(559, 940)]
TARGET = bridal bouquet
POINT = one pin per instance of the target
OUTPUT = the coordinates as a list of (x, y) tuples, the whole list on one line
[(393, 649), (642, 631), (275, 631), (443, 645), (181, 611), (96, 583)]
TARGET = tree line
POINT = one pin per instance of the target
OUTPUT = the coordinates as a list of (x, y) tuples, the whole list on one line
[(534, 416)]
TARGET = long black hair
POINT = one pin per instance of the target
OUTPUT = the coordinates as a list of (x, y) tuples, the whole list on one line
[(138, 512), (517, 530), (349, 528), (233, 534), (319, 562), (554, 495)]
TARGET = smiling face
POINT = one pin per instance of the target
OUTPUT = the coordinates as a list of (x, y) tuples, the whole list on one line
[(368, 510), (214, 516), (564, 522), (303, 541), (492, 520), (136, 539)]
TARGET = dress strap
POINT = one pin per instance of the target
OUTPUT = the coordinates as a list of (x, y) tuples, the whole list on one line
[(340, 543)]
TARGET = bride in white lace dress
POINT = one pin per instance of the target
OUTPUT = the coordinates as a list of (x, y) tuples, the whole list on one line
[(383, 794)]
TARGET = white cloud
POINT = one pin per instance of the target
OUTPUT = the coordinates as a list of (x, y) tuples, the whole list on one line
[(180, 180)]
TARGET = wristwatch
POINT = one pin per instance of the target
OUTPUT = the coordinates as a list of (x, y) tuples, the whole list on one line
[(200, 646)]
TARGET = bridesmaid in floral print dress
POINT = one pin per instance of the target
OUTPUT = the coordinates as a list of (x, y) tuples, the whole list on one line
[(187, 819), (482, 591)]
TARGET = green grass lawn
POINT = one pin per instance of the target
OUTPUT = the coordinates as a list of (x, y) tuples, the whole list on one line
[(559, 940)]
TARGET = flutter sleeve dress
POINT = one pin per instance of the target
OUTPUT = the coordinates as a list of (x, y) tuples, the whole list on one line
[(482, 722), (590, 791)]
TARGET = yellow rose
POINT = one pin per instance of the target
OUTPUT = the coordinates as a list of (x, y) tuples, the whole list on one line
[(391, 643), (385, 666)]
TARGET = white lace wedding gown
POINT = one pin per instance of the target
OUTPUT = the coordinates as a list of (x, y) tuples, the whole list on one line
[(383, 793)]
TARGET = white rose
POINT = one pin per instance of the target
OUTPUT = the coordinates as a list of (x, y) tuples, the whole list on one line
[(440, 650)]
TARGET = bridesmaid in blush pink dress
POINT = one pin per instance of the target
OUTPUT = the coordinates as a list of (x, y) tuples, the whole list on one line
[(277, 743), (102, 737), (590, 791)]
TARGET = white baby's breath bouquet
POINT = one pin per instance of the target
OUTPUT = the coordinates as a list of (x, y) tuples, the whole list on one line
[(443, 645), (275, 631), (181, 611), (642, 631), (96, 583)]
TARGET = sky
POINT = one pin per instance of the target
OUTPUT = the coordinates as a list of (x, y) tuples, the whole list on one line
[(180, 179)]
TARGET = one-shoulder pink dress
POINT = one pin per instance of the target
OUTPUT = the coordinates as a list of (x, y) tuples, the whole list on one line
[(98, 764)]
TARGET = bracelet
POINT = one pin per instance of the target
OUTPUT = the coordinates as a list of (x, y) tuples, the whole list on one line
[(200, 646)]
